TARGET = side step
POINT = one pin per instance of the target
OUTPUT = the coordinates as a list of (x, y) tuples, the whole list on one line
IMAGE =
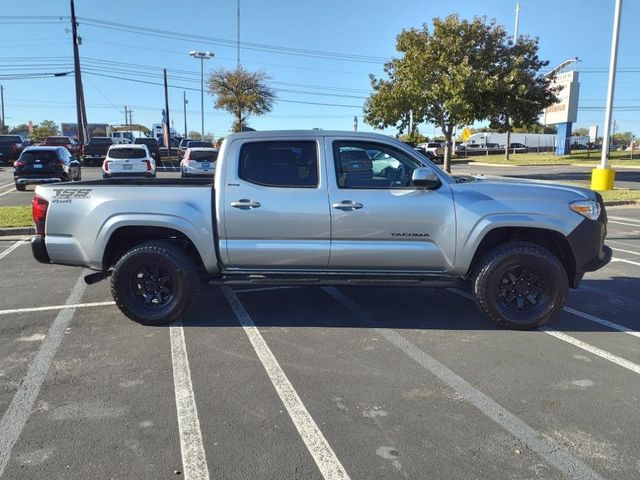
[(336, 281)]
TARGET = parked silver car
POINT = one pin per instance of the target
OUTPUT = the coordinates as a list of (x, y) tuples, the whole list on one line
[(199, 161)]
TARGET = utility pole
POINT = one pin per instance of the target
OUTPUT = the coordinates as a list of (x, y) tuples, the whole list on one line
[(184, 105), (202, 56), (167, 133), (126, 116), (515, 41), (1, 110), (81, 112), (238, 42), (130, 122), (603, 178)]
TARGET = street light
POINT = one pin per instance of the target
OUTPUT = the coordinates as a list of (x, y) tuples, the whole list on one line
[(202, 56)]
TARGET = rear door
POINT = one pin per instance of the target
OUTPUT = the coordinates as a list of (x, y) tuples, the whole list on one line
[(379, 220), (275, 205)]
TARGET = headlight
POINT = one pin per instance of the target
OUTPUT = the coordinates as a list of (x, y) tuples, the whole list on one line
[(586, 208)]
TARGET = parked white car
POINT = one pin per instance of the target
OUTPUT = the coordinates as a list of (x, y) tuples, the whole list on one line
[(128, 161), (198, 161)]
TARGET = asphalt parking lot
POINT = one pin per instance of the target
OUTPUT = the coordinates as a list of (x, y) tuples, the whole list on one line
[(312, 383)]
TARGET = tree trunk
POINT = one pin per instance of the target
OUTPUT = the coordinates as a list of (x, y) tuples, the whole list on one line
[(506, 147), (448, 134)]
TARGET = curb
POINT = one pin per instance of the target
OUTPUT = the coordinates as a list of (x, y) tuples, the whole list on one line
[(622, 203), (7, 232)]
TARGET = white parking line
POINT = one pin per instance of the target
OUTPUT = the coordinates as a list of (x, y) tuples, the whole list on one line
[(15, 417), (634, 367), (608, 240), (544, 446), (624, 223), (602, 321), (8, 191), (624, 260), (625, 251), (194, 460), (10, 249), (322, 453), (625, 219), (7, 185), (54, 307), (578, 343)]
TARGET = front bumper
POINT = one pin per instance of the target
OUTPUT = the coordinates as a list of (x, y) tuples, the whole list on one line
[(39, 250), (587, 244)]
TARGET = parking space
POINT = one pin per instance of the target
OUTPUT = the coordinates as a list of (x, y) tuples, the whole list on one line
[(318, 383)]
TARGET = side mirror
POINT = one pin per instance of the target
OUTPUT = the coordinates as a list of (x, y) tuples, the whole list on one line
[(425, 178)]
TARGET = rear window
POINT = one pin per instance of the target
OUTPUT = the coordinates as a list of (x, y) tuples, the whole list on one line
[(57, 141), (204, 156), (122, 153), (42, 155), (199, 144), (10, 139), (280, 164), (101, 141), (146, 141)]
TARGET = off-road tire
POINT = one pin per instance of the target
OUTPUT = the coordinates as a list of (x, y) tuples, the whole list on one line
[(493, 285), (169, 260)]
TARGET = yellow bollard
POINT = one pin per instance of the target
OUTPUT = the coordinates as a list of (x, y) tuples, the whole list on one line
[(602, 179)]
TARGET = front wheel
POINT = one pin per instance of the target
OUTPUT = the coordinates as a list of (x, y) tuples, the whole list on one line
[(154, 283), (520, 285)]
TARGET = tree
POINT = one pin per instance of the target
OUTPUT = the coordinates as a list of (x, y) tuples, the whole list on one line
[(414, 138), (581, 132), (520, 93), (46, 129), (241, 93), (194, 135), (451, 77), (622, 138)]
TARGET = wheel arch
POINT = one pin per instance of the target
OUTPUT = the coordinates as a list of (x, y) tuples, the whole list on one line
[(125, 238), (552, 240)]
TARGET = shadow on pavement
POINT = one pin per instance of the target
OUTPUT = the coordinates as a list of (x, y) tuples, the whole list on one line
[(397, 308)]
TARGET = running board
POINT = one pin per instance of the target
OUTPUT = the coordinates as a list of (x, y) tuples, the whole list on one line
[(336, 281)]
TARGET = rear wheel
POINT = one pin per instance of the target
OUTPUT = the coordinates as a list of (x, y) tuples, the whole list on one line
[(154, 283), (520, 285)]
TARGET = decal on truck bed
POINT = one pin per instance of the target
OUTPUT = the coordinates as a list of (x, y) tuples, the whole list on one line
[(66, 195)]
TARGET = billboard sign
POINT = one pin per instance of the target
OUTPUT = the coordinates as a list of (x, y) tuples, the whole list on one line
[(566, 110), (593, 133)]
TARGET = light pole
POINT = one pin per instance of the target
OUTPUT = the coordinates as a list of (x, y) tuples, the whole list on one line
[(202, 56)]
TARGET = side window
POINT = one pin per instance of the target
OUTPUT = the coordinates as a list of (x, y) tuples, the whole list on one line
[(372, 165), (280, 164)]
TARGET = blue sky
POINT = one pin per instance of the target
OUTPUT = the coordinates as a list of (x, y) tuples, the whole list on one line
[(363, 29)]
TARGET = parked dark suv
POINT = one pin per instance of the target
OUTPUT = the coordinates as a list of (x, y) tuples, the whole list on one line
[(152, 146), (11, 146), (45, 165)]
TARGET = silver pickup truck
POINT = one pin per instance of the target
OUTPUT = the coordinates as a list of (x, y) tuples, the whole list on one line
[(325, 208)]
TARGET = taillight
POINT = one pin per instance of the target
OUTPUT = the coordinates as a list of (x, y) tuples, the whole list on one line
[(106, 165), (39, 212), (15, 148), (18, 164), (148, 165)]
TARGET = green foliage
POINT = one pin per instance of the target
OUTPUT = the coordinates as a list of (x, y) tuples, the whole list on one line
[(622, 138), (414, 138), (241, 93), (581, 132), (23, 127), (46, 129), (456, 74), (194, 135)]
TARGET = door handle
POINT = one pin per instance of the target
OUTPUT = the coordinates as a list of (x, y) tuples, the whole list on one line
[(347, 205), (245, 204)]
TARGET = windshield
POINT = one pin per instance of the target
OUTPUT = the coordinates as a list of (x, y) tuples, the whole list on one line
[(100, 141), (57, 141), (10, 139), (123, 153)]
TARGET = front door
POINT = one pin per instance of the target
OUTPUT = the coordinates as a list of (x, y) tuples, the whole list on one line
[(379, 220), (275, 206)]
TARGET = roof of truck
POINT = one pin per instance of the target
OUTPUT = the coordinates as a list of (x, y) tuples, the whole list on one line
[(306, 133)]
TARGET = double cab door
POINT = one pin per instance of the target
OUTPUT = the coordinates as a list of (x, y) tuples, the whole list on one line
[(331, 204)]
